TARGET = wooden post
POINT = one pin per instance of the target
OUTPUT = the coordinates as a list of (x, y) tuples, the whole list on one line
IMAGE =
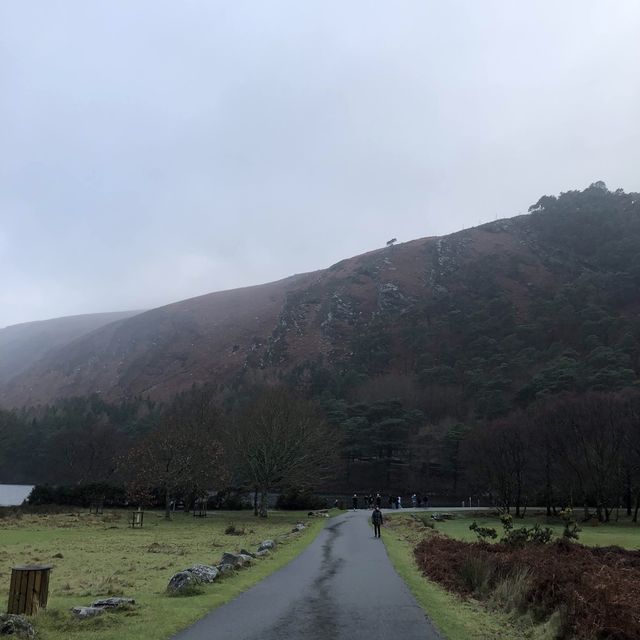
[(29, 589), (136, 519)]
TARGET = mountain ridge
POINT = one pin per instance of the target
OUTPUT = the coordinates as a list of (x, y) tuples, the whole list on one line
[(487, 311)]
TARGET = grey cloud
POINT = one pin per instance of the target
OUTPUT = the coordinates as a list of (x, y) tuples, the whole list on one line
[(156, 150)]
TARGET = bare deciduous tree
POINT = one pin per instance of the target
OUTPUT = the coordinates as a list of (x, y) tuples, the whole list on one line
[(281, 440), (178, 458)]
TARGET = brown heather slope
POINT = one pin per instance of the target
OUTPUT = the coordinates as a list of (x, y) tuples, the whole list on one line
[(266, 331)]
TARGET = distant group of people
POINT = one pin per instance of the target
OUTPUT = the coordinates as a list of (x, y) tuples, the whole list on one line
[(394, 502), (374, 502), (370, 501)]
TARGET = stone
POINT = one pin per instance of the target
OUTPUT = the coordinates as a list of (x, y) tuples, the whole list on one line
[(298, 527), (87, 612), (267, 545), (263, 553), (182, 581), (244, 552), (113, 603), (225, 568), (17, 626), (204, 572), (234, 559), (246, 560)]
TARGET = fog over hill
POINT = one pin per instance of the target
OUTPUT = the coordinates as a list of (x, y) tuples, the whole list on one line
[(22, 345), (490, 316)]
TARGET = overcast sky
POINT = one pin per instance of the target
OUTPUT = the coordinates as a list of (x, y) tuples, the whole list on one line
[(152, 151)]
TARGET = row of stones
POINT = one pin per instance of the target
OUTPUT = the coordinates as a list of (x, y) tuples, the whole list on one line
[(184, 581)]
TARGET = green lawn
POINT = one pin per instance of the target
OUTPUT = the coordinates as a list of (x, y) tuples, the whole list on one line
[(622, 533), (101, 555)]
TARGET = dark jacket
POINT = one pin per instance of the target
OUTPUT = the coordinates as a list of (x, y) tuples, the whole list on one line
[(376, 517)]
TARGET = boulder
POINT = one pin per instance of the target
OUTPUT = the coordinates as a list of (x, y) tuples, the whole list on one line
[(263, 553), (182, 581), (298, 527), (236, 560), (113, 603), (16, 626), (266, 545), (225, 568), (247, 560), (87, 612), (244, 552), (204, 572)]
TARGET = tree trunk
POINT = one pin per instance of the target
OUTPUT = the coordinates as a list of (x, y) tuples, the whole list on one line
[(635, 513), (263, 503), (255, 501), (587, 515), (547, 473), (167, 506)]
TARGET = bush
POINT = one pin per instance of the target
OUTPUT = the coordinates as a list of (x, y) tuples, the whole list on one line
[(483, 533), (232, 530), (231, 500), (521, 536), (571, 528), (300, 500), (582, 593), (82, 495)]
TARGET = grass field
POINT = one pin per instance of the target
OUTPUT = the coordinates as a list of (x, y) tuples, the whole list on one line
[(100, 555), (623, 533)]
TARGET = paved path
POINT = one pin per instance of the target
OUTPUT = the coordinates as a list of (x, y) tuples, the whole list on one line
[(341, 587)]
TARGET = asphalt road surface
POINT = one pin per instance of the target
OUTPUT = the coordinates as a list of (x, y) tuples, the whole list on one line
[(341, 587)]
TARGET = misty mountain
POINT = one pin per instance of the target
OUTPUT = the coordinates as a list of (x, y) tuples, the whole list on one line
[(22, 345), (481, 320)]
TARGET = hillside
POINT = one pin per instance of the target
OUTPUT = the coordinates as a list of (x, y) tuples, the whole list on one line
[(479, 320), (22, 345)]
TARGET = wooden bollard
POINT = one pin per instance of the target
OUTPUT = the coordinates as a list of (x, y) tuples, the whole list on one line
[(29, 589)]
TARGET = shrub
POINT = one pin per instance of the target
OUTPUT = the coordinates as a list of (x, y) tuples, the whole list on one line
[(300, 500), (483, 533), (81, 495), (540, 535), (582, 593), (571, 528), (521, 536), (232, 530)]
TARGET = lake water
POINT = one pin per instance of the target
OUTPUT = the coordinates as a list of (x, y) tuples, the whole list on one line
[(13, 495)]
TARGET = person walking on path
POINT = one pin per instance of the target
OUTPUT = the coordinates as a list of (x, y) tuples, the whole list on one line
[(378, 500), (376, 518), (354, 501)]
